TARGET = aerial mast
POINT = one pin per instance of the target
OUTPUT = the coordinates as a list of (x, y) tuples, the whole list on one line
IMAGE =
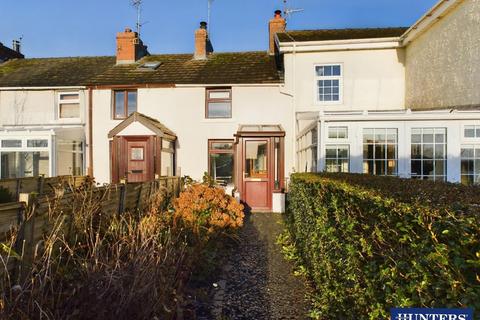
[(138, 6), (209, 11), (289, 11)]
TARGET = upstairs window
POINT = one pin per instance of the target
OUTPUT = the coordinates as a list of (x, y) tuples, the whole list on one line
[(68, 105), (328, 82), (218, 104), (124, 103)]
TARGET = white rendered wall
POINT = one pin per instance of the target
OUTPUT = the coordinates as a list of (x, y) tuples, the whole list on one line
[(372, 79), (36, 107), (182, 110)]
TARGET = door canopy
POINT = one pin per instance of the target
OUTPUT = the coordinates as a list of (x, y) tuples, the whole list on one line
[(152, 124), (260, 130)]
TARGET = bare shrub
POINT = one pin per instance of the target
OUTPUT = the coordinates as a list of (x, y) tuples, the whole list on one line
[(95, 265)]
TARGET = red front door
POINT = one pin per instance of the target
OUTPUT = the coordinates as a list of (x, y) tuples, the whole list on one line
[(257, 175), (138, 155)]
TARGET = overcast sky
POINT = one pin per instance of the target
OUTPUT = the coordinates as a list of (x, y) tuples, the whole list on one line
[(53, 28)]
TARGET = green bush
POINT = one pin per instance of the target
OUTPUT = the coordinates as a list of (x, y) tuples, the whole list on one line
[(366, 252)]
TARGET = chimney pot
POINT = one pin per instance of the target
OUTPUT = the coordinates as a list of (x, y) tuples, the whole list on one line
[(276, 25), (128, 30), (203, 25)]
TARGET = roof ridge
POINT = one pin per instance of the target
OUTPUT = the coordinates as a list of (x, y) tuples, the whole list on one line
[(337, 29), (67, 57)]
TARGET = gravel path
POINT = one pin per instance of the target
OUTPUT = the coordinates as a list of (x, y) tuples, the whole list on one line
[(258, 282)]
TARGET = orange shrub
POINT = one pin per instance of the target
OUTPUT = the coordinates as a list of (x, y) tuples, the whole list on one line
[(207, 209)]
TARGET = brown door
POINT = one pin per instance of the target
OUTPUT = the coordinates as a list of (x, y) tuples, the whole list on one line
[(137, 161), (257, 193)]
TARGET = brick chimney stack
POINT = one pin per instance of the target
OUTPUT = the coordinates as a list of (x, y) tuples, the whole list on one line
[(276, 25), (130, 47), (203, 46)]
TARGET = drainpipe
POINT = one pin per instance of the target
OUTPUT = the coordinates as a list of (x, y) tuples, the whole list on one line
[(90, 132), (294, 118)]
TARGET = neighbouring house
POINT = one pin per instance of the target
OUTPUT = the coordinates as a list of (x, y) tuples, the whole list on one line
[(43, 115), (395, 101), (6, 53), (385, 101)]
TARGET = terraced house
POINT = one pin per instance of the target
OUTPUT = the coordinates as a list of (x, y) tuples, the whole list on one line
[(386, 101)]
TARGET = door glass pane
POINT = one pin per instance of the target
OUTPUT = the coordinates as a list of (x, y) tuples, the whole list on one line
[(136, 154), (256, 162), (69, 157), (167, 164)]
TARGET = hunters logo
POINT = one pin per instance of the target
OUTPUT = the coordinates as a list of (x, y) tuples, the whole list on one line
[(430, 314)]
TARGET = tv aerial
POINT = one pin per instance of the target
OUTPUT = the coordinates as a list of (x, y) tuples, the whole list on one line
[(138, 6), (209, 11), (287, 11)]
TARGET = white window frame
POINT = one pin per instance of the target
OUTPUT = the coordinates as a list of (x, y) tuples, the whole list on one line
[(337, 139), (25, 148), (422, 159), (74, 101), (474, 159), (475, 127), (317, 78), (337, 158), (386, 144)]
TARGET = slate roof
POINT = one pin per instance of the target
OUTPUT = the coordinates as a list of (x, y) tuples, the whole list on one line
[(219, 68), (340, 34), (46, 72)]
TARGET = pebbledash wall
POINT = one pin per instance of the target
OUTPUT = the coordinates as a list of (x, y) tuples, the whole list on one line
[(182, 110), (443, 63)]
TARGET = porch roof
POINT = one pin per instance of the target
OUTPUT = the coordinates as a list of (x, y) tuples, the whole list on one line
[(260, 130), (153, 124)]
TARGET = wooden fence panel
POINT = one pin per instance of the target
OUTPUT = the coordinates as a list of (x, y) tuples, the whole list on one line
[(40, 185), (33, 218)]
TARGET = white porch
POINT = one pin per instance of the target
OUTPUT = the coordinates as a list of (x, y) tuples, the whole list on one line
[(36, 151)]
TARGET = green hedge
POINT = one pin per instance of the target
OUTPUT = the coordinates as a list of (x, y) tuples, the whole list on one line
[(366, 252)]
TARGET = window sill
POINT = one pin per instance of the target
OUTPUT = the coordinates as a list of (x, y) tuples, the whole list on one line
[(69, 121), (327, 103), (219, 120)]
